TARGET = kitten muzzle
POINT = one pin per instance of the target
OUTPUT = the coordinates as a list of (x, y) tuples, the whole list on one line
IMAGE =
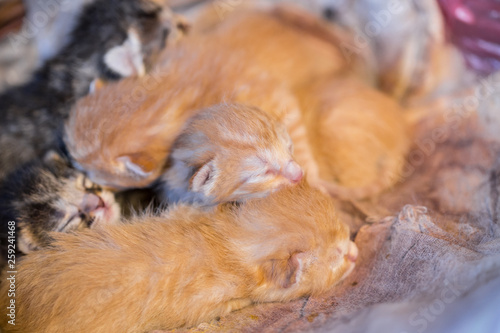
[(293, 172), (352, 252), (92, 202)]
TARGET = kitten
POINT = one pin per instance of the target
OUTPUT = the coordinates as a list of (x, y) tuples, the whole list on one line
[(229, 153), (112, 38), (123, 134), (48, 195), (183, 268), (366, 152)]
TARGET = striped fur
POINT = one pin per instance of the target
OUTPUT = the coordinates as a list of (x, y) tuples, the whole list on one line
[(183, 268), (123, 134), (360, 137), (243, 150)]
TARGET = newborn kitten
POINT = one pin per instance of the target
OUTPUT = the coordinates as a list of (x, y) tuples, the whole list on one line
[(49, 195), (183, 268), (360, 137), (123, 134), (229, 153), (112, 38)]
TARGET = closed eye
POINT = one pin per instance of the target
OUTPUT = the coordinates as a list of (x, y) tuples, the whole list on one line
[(271, 172), (72, 220), (75, 222)]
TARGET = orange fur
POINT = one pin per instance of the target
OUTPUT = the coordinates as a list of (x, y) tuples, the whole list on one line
[(184, 267), (293, 75), (360, 136), (135, 122), (229, 153)]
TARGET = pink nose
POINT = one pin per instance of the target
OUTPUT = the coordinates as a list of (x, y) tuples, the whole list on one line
[(91, 202), (352, 252), (293, 172)]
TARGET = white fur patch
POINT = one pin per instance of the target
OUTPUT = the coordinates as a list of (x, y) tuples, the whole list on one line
[(132, 167), (127, 59)]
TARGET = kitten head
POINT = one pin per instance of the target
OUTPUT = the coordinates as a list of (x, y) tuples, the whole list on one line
[(230, 153), (158, 26), (113, 140), (296, 242), (128, 35), (49, 195)]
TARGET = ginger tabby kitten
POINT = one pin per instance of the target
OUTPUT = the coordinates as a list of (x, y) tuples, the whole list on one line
[(183, 268), (350, 138), (123, 134), (360, 136), (229, 152)]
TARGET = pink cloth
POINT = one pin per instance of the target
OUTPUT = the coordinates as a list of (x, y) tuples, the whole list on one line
[(474, 27)]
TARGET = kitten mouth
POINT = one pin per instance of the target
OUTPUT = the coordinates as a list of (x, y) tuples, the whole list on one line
[(101, 208), (92, 202)]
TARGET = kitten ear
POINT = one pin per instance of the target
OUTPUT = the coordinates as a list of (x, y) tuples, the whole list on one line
[(96, 85), (140, 164), (126, 59), (284, 272), (203, 178)]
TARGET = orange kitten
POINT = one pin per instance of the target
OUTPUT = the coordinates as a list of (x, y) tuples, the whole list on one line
[(360, 137), (123, 134), (183, 268), (229, 152)]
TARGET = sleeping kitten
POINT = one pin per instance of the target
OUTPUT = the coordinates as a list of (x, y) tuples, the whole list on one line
[(229, 153), (365, 153), (112, 38), (123, 133), (47, 196), (183, 268)]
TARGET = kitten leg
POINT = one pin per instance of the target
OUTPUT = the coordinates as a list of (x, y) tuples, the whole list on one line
[(236, 304)]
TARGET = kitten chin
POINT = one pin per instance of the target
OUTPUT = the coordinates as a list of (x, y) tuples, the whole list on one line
[(49, 196), (183, 267)]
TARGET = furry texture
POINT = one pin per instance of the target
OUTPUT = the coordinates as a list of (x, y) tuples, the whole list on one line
[(32, 115), (47, 196), (184, 267), (360, 137), (301, 87), (231, 63), (229, 153)]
